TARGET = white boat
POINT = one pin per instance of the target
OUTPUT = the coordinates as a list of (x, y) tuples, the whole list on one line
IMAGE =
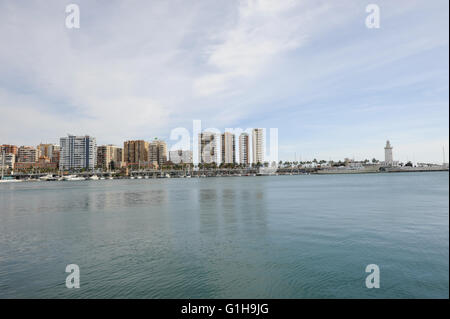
[(267, 171), (94, 178), (12, 180), (139, 177), (167, 175), (73, 178), (109, 177), (48, 177)]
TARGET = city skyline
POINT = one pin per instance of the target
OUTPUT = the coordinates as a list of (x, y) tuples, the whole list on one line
[(332, 87), (212, 148)]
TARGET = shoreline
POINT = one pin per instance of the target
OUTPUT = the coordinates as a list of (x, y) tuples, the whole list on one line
[(197, 174)]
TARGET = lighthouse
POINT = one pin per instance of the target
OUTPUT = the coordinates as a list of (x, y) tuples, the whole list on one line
[(388, 159)]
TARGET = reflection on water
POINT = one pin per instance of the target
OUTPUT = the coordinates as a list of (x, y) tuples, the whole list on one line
[(249, 237)]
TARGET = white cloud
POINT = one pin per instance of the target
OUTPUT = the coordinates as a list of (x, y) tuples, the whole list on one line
[(263, 30)]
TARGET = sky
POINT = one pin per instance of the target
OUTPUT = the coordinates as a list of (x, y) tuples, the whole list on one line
[(134, 69)]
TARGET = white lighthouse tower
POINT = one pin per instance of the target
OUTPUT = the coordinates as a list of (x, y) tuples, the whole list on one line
[(388, 159)]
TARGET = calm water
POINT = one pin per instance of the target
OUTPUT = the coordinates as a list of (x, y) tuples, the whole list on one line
[(236, 237)]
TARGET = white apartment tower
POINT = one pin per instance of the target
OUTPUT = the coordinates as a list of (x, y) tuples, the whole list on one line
[(388, 159), (228, 144), (258, 145), (244, 149), (207, 149), (78, 152)]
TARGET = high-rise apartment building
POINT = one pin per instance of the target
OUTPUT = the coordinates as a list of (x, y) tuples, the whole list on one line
[(228, 145), (180, 157), (135, 152), (109, 156), (46, 150), (207, 142), (56, 150), (27, 154), (258, 145), (7, 160), (9, 149), (158, 152), (244, 149), (78, 152)]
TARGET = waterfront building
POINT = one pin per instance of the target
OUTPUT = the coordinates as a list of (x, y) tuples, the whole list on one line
[(158, 152), (228, 144), (135, 151), (56, 150), (27, 154), (9, 149), (47, 150), (7, 160), (258, 145), (207, 142), (78, 152), (180, 157), (42, 163), (388, 158), (109, 156), (244, 149)]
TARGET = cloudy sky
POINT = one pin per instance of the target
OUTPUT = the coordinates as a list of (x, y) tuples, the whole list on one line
[(312, 69)]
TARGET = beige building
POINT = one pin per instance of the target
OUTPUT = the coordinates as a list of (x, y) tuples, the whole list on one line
[(228, 145), (27, 154), (56, 153), (9, 149), (47, 150), (158, 152), (109, 156), (135, 152), (258, 145), (244, 149)]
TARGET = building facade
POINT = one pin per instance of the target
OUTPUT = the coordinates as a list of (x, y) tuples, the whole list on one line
[(180, 157), (109, 156), (27, 154), (78, 152), (244, 149), (258, 145), (7, 160), (43, 163), (388, 158), (9, 149), (56, 150), (158, 152), (207, 142), (228, 145), (47, 150), (135, 152)]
